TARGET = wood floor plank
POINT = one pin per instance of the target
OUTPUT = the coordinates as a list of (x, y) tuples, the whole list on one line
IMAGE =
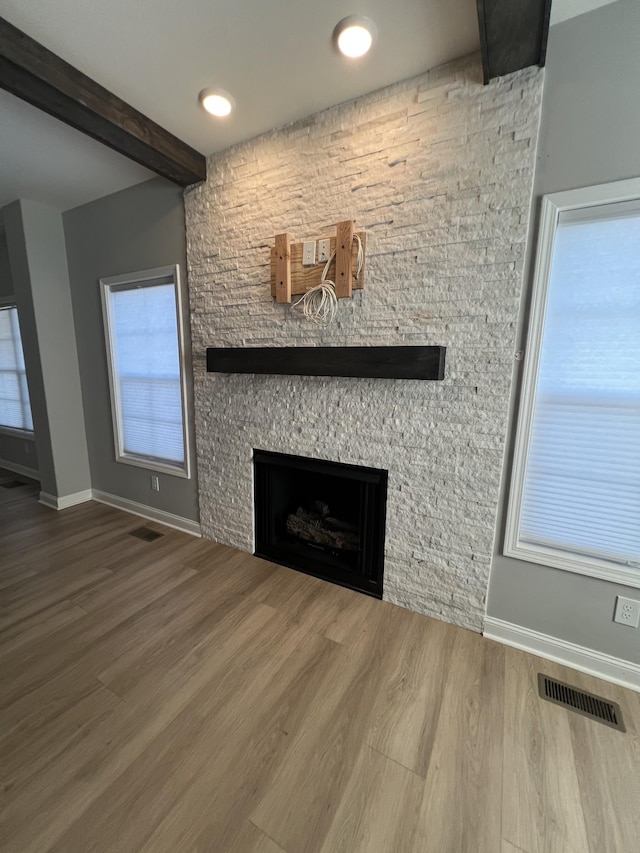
[(607, 765), (181, 749), (508, 847), (461, 810), (306, 789), (60, 795), (35, 599), (542, 805), (15, 575), (405, 716), (130, 586), (83, 644), (50, 729), (381, 799), (347, 624), (150, 658), (44, 703), (228, 788), (38, 627), (251, 840)]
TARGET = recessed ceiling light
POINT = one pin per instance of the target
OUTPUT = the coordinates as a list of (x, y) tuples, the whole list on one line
[(216, 102), (354, 35)]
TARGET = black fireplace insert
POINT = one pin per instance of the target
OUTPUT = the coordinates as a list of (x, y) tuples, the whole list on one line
[(323, 518)]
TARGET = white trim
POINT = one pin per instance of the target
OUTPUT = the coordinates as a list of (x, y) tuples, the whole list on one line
[(149, 512), (20, 469), (26, 434), (580, 565), (552, 206), (66, 500), (146, 278), (595, 663), (48, 500), (611, 193)]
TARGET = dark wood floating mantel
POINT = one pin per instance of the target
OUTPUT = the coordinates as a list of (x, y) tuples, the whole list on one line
[(363, 362)]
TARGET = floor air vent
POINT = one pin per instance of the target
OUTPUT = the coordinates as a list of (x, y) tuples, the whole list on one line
[(145, 533), (13, 484), (594, 707)]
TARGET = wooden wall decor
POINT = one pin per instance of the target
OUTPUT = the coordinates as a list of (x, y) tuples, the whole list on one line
[(283, 268), (300, 278), (344, 249)]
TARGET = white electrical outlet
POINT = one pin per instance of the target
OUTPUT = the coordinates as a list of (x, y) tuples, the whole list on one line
[(155, 483), (324, 250), (309, 253), (627, 611)]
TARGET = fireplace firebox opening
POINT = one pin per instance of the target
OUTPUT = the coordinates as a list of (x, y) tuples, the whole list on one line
[(323, 518)]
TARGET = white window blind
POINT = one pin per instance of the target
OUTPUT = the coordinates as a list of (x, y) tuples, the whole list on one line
[(143, 336), (580, 479), (15, 407)]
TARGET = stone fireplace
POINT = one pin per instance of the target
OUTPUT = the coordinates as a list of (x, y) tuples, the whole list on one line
[(323, 518), (438, 171)]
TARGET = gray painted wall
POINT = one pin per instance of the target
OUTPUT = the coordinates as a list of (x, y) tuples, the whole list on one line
[(14, 229), (39, 272), (6, 285), (590, 134), (139, 228), (19, 452)]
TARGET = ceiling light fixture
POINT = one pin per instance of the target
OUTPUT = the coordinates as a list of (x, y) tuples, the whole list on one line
[(216, 102), (353, 36)]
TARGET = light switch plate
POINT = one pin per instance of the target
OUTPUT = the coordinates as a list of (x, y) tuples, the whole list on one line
[(324, 248), (309, 253)]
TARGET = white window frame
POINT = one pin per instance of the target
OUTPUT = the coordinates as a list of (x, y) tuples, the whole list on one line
[(146, 278), (552, 206), (27, 434)]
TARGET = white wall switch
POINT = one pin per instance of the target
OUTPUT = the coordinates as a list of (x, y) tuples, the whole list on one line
[(155, 483), (324, 250), (627, 611), (309, 253)]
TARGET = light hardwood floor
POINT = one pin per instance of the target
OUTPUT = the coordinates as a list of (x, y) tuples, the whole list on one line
[(180, 696)]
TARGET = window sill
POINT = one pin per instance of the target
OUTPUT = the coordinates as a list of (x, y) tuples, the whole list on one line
[(589, 566), (155, 465), (17, 433)]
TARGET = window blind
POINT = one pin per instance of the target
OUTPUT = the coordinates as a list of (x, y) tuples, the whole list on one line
[(581, 489), (15, 407), (146, 371)]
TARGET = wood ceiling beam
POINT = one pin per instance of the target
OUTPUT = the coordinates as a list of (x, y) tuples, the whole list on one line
[(35, 74), (513, 35)]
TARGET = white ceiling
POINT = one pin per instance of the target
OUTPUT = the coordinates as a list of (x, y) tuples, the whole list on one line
[(275, 57), (44, 160)]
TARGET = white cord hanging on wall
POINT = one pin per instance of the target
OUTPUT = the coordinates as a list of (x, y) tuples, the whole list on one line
[(320, 303)]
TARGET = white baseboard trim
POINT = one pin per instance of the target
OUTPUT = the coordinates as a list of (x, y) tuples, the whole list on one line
[(20, 469), (48, 500), (148, 512), (592, 662), (66, 500)]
